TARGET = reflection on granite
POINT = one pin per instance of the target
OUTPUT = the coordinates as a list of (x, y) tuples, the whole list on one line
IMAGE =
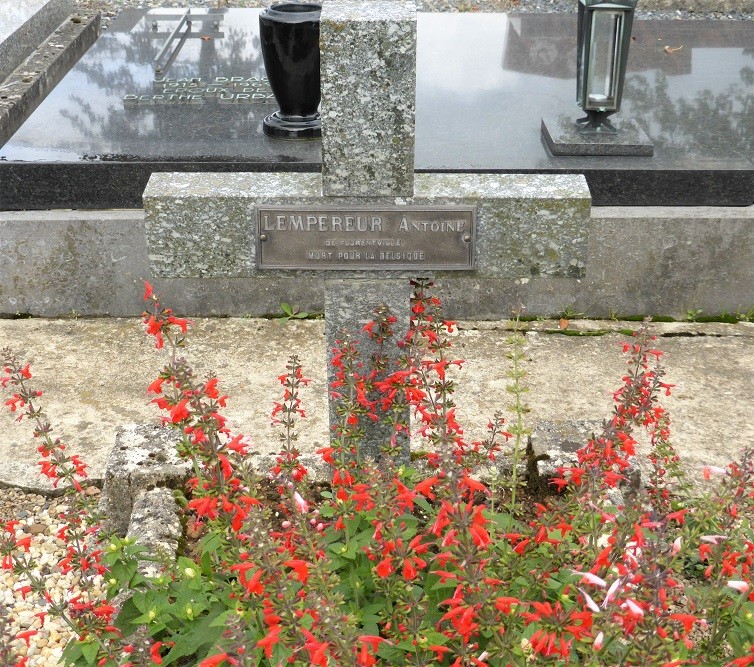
[(88, 116), (538, 79), (483, 84)]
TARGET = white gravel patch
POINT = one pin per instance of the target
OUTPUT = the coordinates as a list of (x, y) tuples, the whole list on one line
[(38, 518)]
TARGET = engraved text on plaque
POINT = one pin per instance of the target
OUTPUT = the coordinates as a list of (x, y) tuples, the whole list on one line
[(359, 238)]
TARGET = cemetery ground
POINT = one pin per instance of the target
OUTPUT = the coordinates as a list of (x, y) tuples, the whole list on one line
[(94, 373), (90, 392)]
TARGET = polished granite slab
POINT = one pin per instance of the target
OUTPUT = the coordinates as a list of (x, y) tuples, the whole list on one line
[(484, 81)]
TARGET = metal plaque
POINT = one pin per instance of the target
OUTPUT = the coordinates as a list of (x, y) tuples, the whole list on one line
[(384, 238)]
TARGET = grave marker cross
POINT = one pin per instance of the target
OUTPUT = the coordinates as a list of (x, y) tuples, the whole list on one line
[(368, 203)]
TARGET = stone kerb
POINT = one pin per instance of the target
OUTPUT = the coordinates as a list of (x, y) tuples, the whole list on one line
[(203, 225), (143, 465), (24, 24), (368, 81)]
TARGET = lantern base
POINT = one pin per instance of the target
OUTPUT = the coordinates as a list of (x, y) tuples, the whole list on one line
[(596, 122), (563, 137)]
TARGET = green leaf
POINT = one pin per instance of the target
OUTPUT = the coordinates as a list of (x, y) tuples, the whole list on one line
[(336, 563), (89, 651), (340, 550), (370, 628), (222, 619), (435, 638), (286, 308), (327, 511), (422, 502), (374, 608), (143, 601), (194, 636), (125, 619), (352, 525), (72, 652), (438, 585), (124, 571)]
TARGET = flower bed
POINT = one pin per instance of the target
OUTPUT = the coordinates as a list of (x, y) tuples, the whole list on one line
[(393, 566)]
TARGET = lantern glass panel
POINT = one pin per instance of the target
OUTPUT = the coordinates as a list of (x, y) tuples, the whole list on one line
[(604, 59)]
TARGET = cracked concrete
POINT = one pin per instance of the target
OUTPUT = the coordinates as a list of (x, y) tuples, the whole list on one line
[(94, 374)]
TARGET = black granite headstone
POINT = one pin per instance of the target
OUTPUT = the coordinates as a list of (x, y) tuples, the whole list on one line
[(483, 84)]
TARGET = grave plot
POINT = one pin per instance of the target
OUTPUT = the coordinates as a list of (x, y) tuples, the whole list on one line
[(483, 82)]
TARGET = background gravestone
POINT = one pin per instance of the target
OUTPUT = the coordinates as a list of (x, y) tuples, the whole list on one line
[(483, 82)]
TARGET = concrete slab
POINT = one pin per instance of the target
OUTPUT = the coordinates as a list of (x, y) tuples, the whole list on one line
[(24, 24), (94, 372), (640, 261)]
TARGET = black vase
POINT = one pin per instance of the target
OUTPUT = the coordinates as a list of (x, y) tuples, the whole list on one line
[(290, 47)]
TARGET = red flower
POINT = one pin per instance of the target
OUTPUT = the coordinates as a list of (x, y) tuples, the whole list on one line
[(180, 322), (272, 638), (410, 570), (204, 507), (156, 386), (439, 651), (317, 649), (213, 661), (505, 604), (179, 412), (24, 543), (367, 659), (686, 619), (462, 618), (25, 635), (154, 653), (425, 487), (327, 454), (743, 660), (385, 567), (252, 585), (473, 485), (300, 567)]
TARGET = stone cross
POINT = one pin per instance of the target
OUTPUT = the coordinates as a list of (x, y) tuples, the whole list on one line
[(221, 225), (368, 79), (368, 75)]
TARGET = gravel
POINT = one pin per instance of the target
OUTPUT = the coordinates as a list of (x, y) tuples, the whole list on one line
[(38, 517), (725, 10)]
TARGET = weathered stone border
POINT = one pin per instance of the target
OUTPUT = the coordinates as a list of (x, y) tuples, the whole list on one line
[(641, 261), (41, 18), (33, 79)]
